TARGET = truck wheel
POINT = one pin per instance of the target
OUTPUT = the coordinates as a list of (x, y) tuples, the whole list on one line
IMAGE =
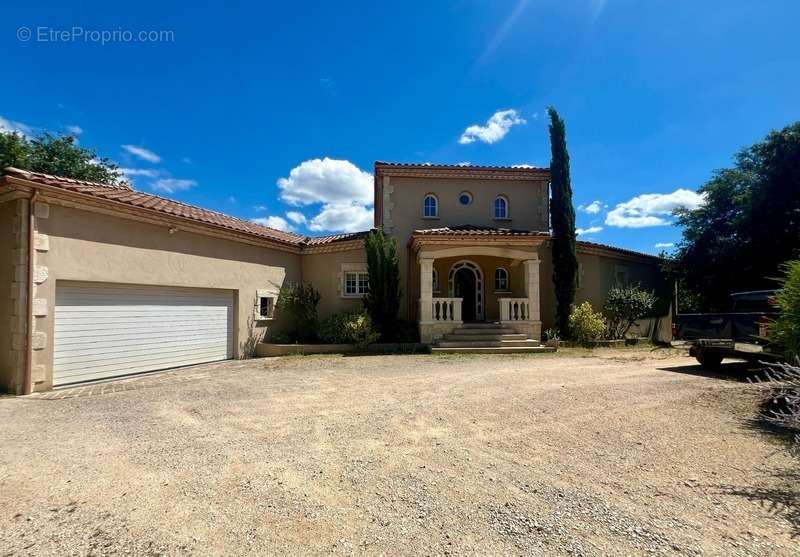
[(709, 360)]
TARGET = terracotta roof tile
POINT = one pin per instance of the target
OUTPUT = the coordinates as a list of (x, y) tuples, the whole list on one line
[(520, 168), (614, 248), (125, 195), (321, 240)]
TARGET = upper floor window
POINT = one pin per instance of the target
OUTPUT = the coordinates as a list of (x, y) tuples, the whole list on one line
[(435, 281), (465, 198), (430, 206), (501, 280), (500, 207)]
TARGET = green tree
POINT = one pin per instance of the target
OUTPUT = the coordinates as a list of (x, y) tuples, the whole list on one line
[(562, 220), (785, 330), (57, 155), (624, 305), (748, 226), (383, 298)]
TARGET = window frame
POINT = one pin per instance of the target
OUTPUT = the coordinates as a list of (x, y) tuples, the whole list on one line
[(507, 210), (622, 270), (469, 195), (272, 301), (506, 278), (435, 198), (360, 283)]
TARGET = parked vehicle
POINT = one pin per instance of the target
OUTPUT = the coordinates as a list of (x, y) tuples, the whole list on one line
[(711, 337)]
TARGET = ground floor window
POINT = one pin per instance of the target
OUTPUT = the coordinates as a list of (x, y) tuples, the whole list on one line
[(501, 280), (266, 307), (356, 283)]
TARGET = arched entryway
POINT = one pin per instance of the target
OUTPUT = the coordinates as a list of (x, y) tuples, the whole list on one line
[(466, 282)]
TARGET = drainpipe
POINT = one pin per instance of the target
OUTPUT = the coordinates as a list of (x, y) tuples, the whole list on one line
[(28, 380)]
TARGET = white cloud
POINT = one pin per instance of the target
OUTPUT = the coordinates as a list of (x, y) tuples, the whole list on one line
[(130, 174), (296, 217), (74, 130), (260, 208), (590, 230), (592, 208), (665, 245), (344, 191), (326, 181), (496, 128), (172, 185), (652, 209), (146, 172), (342, 217), (276, 222), (9, 126), (142, 153)]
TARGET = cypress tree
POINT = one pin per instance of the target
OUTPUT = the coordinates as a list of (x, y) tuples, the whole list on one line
[(383, 267), (562, 221)]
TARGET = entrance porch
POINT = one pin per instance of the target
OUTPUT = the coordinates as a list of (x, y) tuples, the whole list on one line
[(469, 280)]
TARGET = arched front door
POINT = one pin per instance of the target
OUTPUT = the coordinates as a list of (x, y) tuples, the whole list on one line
[(466, 282)]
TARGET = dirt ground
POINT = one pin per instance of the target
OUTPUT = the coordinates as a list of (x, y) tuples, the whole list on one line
[(578, 453)]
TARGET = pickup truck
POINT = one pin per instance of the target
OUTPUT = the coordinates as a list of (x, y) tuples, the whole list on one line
[(710, 337)]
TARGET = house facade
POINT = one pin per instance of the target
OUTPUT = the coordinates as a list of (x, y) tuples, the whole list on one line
[(105, 281)]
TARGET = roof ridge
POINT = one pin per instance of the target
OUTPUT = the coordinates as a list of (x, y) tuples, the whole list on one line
[(463, 166), (14, 170), (28, 174)]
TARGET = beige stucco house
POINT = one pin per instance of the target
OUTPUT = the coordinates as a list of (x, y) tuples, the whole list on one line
[(103, 281)]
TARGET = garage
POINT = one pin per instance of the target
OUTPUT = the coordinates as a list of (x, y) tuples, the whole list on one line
[(111, 330)]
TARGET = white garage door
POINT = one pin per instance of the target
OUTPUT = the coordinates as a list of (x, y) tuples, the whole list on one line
[(108, 330)]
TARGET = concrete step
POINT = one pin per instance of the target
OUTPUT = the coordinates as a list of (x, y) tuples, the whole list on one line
[(485, 336), (482, 325), (495, 350), (484, 331), (485, 343)]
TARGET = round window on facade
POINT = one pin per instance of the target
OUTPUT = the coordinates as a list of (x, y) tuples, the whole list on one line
[(465, 198)]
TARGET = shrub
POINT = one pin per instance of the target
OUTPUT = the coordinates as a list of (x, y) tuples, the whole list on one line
[(295, 313), (353, 327), (585, 324), (552, 334), (785, 330), (624, 305), (783, 381)]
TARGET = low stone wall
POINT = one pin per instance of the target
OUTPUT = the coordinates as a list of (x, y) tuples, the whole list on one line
[(264, 350)]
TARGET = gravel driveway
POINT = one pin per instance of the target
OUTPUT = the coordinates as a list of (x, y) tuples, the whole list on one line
[(610, 452)]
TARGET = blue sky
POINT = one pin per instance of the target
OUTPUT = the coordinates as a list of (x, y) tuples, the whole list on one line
[(239, 108)]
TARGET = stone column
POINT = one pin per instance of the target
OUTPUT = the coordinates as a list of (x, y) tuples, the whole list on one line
[(531, 276), (425, 288)]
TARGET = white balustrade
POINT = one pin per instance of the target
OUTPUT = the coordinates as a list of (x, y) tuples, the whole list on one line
[(446, 309), (515, 309)]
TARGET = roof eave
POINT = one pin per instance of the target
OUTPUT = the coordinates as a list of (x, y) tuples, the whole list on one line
[(152, 216)]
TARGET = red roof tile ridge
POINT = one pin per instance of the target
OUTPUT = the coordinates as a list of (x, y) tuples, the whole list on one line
[(280, 235), (520, 167), (31, 173)]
